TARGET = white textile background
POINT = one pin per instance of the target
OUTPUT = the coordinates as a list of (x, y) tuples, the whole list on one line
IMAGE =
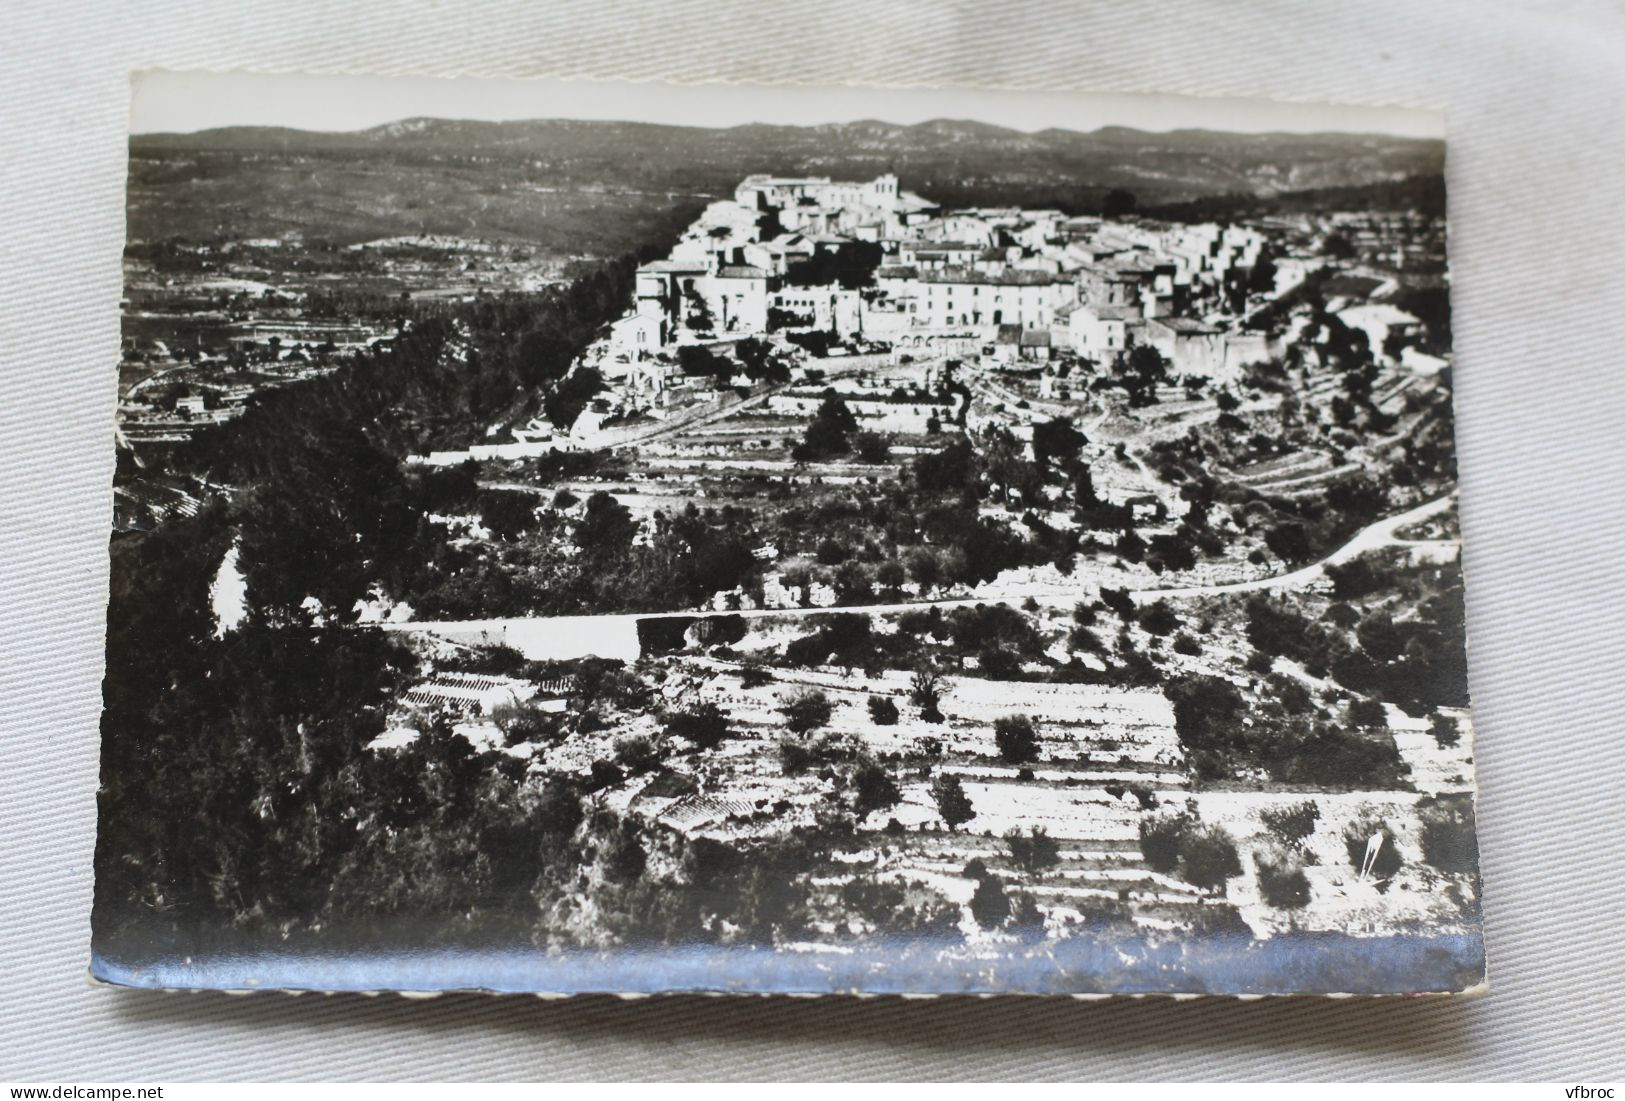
[(1534, 94)]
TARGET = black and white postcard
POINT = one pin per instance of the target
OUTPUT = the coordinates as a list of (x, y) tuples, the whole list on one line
[(637, 538)]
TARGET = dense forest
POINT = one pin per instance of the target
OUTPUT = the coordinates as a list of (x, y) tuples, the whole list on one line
[(224, 754)]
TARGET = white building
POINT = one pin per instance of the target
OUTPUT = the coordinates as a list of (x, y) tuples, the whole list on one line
[(1100, 332)]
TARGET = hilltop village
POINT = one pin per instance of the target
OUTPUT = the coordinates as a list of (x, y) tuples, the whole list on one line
[(1041, 573), (793, 270)]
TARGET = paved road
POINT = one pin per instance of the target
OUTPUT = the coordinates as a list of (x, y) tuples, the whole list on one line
[(1379, 534), (567, 637)]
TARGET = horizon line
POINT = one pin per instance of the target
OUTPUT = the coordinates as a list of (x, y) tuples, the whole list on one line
[(762, 123), (176, 102)]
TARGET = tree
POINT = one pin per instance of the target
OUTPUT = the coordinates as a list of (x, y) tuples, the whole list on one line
[(1034, 851), (989, 905), (952, 802), (829, 433), (872, 448), (852, 584), (607, 526), (754, 353), (806, 710), (1338, 247), (569, 396), (544, 356), (1364, 711), (1057, 441), (1142, 371), (925, 568), (873, 789), (1444, 730), (699, 311), (507, 514), (1207, 712), (890, 576), (1016, 738), (697, 359), (925, 691)]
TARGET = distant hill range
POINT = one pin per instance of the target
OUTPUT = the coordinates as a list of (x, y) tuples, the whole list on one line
[(254, 174)]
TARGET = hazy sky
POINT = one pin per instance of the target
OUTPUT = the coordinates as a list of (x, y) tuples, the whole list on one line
[(185, 101)]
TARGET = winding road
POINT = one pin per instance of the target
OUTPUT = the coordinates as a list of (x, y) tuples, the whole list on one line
[(562, 638)]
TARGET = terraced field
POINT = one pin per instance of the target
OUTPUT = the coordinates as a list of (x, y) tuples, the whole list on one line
[(1108, 756)]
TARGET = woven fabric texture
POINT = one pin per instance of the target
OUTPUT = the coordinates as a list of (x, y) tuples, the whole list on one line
[(1533, 93)]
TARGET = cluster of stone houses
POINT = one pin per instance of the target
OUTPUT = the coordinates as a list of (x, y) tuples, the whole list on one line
[(1027, 283)]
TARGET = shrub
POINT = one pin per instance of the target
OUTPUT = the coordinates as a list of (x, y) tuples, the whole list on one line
[(1208, 858), (806, 710), (1119, 601), (526, 722), (1034, 851), (706, 725), (636, 754), (1185, 644), (952, 802), (1291, 825), (1333, 758), (1203, 856), (882, 711), (1159, 619), (926, 747), (1016, 738), (1159, 844), (1281, 882), (872, 899), (795, 756)]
